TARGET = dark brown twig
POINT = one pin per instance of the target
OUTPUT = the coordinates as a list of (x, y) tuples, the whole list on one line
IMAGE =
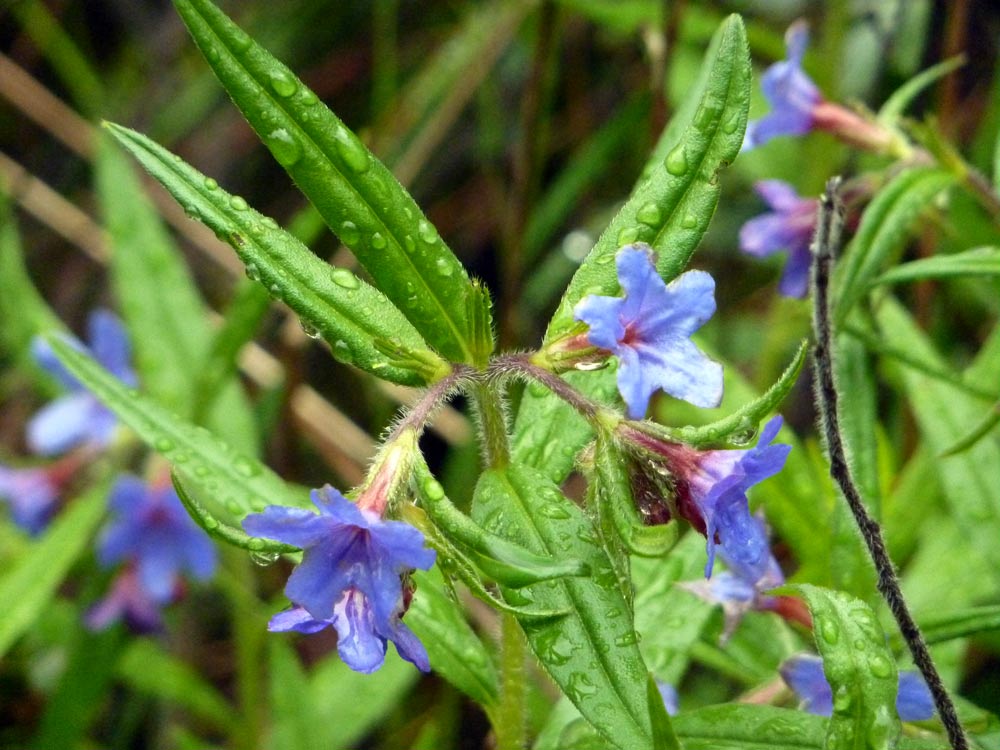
[(826, 243)]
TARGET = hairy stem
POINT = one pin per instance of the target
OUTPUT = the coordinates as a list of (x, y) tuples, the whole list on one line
[(825, 246), (510, 721)]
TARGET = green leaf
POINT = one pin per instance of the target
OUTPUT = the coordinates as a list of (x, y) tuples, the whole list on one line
[(739, 726), (900, 99), (352, 316), (161, 306), (148, 669), (242, 318), (591, 652), (663, 730), (456, 653), (979, 261), (506, 563), (32, 581), (858, 418), (945, 414), (671, 209), (240, 483), (23, 311), (859, 668), (741, 426), (548, 434), (357, 196), (940, 628), (884, 229)]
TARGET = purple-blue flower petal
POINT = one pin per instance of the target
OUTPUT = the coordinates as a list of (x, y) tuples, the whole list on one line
[(409, 646), (360, 647), (914, 701), (63, 423), (803, 673), (109, 342), (790, 92), (126, 601), (297, 619), (649, 329), (31, 495), (295, 526)]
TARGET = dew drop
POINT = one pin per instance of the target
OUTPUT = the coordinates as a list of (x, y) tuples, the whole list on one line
[(409, 243), (841, 699), (308, 98), (537, 390), (378, 241), (690, 221), (239, 41), (286, 149), (269, 222), (344, 278), (649, 215), (211, 184), (210, 523), (252, 272), (234, 507), (309, 329), (351, 150), (163, 445), (349, 233), (730, 125), (342, 353), (433, 489), (283, 84), (427, 232), (829, 631), (201, 471), (629, 639), (676, 161), (627, 236), (237, 203), (179, 457), (443, 267), (245, 467), (553, 511), (880, 666), (263, 559)]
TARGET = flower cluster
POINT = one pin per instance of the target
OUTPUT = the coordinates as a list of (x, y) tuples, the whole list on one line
[(76, 422), (804, 674), (156, 540), (351, 575)]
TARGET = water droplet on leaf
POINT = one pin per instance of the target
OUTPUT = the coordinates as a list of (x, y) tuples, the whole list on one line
[(351, 150), (286, 149), (344, 278), (627, 236), (283, 83), (211, 184), (378, 241), (649, 215), (237, 203), (342, 353), (676, 161)]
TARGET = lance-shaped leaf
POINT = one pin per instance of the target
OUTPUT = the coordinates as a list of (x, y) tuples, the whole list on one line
[(616, 511), (591, 652), (859, 667), (163, 311), (504, 562), (671, 209), (240, 483), (357, 196), (358, 322), (739, 427), (884, 228)]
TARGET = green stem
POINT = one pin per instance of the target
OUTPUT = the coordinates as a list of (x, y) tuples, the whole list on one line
[(492, 425), (510, 715)]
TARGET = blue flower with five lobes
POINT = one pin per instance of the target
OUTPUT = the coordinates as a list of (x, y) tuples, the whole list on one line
[(649, 330), (788, 226), (710, 488), (791, 93), (32, 494), (350, 576), (153, 533), (803, 673), (78, 417)]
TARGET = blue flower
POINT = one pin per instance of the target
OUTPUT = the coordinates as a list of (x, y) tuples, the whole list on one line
[(788, 226), (32, 494), (671, 700), (711, 494), (78, 417), (152, 532), (128, 600), (649, 331), (349, 577), (804, 674), (790, 92)]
